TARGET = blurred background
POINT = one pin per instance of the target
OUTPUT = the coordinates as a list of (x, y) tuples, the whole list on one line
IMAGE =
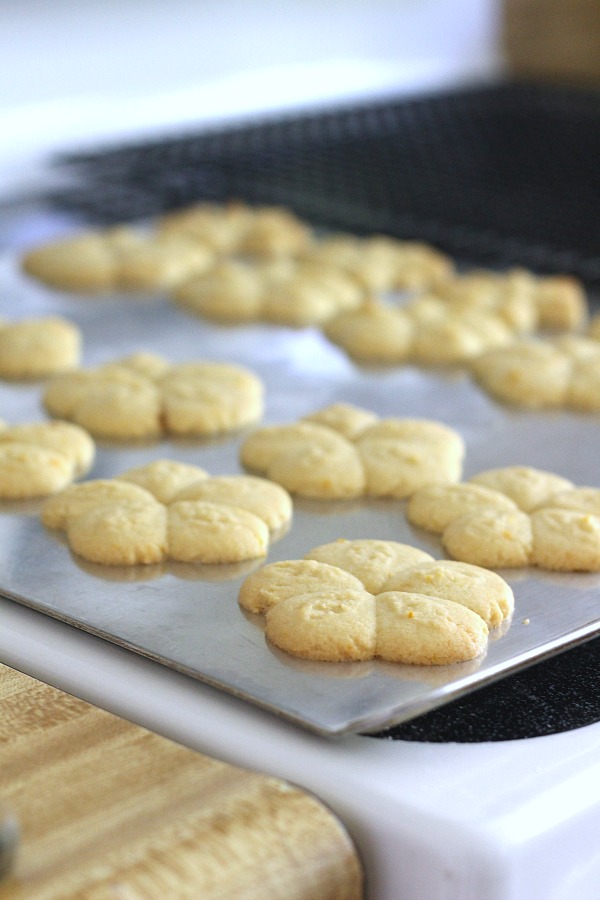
[(73, 68)]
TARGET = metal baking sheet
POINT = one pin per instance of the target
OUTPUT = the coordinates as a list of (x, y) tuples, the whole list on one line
[(187, 617)]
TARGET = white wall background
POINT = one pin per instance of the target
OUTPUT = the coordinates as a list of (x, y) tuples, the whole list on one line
[(79, 71), (70, 48)]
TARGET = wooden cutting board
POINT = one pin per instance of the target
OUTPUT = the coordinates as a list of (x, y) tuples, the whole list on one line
[(107, 809)]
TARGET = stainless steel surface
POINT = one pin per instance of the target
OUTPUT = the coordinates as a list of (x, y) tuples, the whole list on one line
[(187, 617)]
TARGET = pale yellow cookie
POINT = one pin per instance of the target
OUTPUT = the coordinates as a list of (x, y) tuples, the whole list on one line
[(307, 459), (397, 468), (424, 432), (583, 392), (274, 231), (565, 540), (378, 263), (333, 625), (148, 365), (526, 485), (434, 506), (416, 629), (280, 580), (489, 538), (165, 478), (491, 329), (265, 444), (329, 469), (220, 226), (83, 262), (446, 341), (561, 303), (232, 291), (30, 470), (421, 266), (372, 561), (207, 398), (583, 499), (162, 261), (269, 501), (527, 373), (307, 298), (120, 408), (345, 418), (211, 533), (35, 348), (425, 310), (482, 591), (373, 333), (72, 441), (594, 327), (120, 534), (63, 393), (337, 249), (77, 499)]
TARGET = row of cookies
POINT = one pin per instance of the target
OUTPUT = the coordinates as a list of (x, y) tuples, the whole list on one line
[(182, 246), (512, 517), (528, 372)]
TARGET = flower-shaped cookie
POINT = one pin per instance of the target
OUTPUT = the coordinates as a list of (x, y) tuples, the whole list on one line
[(143, 396), (167, 510), (37, 347), (342, 451), (514, 517), (40, 458), (461, 318), (177, 247), (542, 374), (366, 599)]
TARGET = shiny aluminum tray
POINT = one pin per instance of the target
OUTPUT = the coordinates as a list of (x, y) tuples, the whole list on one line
[(187, 617)]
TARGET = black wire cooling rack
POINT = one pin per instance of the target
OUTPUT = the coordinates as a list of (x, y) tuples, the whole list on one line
[(500, 174)]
